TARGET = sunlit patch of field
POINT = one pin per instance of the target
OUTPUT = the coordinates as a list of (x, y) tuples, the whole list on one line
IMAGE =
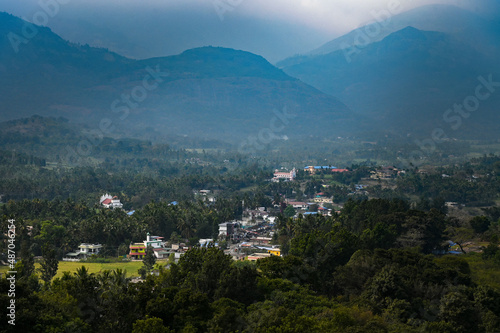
[(68, 266)]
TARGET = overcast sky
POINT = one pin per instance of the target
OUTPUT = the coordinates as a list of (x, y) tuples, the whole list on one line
[(274, 29)]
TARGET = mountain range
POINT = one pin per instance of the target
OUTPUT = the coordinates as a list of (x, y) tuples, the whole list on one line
[(460, 23), (208, 92), (406, 80), (419, 65)]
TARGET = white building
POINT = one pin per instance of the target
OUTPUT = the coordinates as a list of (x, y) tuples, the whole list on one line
[(90, 249), (110, 202), (298, 204), (154, 241), (226, 228), (287, 176), (85, 250), (158, 245)]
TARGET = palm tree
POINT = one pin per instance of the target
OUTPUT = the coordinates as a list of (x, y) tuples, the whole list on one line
[(120, 277), (185, 226)]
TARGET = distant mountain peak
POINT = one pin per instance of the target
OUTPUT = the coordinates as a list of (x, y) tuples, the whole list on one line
[(211, 52), (408, 33), (409, 30), (212, 49)]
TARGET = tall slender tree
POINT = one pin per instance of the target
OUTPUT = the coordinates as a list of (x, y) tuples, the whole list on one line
[(49, 264), (149, 262)]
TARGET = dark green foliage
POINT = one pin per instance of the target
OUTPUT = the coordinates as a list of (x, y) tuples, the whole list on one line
[(150, 325), (49, 263), (149, 261), (228, 316), (391, 223), (475, 183), (204, 270), (388, 290), (492, 252), (480, 224), (457, 309), (289, 211), (27, 263)]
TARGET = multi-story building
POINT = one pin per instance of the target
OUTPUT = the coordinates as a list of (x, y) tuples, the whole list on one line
[(287, 176), (138, 250), (85, 250), (227, 228)]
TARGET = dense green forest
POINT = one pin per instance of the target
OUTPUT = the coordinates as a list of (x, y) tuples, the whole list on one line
[(370, 269), (379, 263)]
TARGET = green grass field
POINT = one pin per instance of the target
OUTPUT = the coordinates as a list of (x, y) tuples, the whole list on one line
[(67, 266)]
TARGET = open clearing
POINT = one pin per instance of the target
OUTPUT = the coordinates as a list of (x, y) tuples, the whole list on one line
[(68, 266)]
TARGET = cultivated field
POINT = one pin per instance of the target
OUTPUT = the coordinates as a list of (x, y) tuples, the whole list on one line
[(66, 266)]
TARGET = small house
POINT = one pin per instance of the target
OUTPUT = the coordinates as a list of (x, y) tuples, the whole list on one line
[(84, 250)]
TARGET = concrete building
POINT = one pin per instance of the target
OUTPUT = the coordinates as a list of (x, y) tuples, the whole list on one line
[(287, 176), (227, 228), (110, 202), (84, 250), (138, 250)]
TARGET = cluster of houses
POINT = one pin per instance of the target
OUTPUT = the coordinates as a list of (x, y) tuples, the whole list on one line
[(160, 249), (291, 175), (137, 251), (319, 200), (253, 242), (386, 172), (312, 169), (251, 233)]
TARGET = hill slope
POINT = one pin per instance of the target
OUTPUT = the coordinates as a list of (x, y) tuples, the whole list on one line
[(207, 92), (463, 25), (407, 81)]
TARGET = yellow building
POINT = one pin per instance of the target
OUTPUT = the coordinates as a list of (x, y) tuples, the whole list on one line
[(274, 252), (137, 251)]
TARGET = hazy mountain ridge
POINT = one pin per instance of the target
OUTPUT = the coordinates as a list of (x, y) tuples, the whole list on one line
[(209, 92), (407, 81), (402, 84), (460, 23)]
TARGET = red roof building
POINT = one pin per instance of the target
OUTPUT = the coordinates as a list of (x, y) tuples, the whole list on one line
[(106, 202), (110, 202)]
